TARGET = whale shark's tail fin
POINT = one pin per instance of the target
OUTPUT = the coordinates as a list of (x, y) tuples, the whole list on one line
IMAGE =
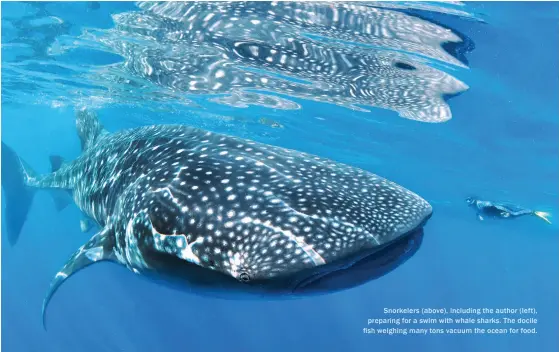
[(89, 127), (19, 184), (543, 215), (17, 194)]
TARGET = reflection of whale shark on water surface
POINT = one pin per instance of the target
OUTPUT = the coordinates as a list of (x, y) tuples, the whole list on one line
[(223, 214), (277, 55)]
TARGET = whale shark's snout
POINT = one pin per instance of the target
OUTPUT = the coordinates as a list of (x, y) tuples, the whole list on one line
[(289, 227)]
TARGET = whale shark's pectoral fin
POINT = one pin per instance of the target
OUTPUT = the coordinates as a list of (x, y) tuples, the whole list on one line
[(98, 248)]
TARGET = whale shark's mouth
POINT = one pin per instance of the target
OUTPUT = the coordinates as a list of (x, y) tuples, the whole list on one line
[(362, 267), (358, 270)]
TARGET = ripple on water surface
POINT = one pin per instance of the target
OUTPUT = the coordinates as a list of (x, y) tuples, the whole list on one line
[(357, 55)]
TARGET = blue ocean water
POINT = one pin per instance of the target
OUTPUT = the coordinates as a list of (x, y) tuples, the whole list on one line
[(128, 63)]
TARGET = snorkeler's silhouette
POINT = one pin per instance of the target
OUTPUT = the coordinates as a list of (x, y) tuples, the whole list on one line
[(491, 209)]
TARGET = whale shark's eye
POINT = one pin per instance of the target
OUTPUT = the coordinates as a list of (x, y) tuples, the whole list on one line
[(244, 276)]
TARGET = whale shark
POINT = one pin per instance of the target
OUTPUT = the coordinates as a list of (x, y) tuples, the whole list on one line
[(219, 212)]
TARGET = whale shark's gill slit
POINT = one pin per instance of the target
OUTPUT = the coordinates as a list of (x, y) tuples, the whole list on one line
[(178, 246), (178, 173), (175, 244), (168, 191), (298, 241)]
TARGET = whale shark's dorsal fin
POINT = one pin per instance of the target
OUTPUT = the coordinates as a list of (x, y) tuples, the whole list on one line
[(98, 248), (89, 127)]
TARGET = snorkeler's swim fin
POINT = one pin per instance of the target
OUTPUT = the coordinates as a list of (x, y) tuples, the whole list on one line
[(543, 215)]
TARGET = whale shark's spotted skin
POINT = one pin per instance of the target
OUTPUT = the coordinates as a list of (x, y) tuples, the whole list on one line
[(246, 209), (233, 205)]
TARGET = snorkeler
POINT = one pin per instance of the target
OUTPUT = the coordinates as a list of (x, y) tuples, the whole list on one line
[(503, 210)]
